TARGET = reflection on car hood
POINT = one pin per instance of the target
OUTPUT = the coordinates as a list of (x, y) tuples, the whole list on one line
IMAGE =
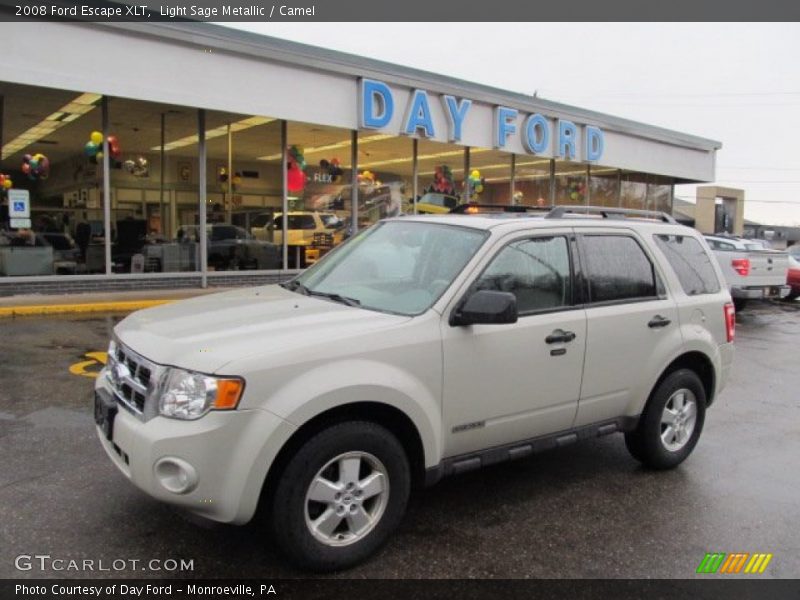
[(208, 332)]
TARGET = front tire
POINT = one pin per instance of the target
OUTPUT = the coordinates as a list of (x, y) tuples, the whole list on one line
[(341, 496), (671, 423)]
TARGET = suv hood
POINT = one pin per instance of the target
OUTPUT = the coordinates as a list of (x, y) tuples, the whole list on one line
[(206, 333)]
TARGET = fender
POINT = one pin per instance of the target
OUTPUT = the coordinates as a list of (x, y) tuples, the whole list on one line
[(334, 384)]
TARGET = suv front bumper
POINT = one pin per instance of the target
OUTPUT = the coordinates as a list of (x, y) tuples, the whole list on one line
[(213, 466)]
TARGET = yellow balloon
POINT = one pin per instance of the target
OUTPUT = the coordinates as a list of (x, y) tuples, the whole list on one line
[(99, 157), (475, 174), (96, 137), (7, 184)]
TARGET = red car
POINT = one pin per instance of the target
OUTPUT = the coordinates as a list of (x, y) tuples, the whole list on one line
[(793, 277)]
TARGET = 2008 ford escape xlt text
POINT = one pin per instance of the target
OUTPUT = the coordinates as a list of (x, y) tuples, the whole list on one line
[(423, 347)]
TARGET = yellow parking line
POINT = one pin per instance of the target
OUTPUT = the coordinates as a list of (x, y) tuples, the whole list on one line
[(52, 309)]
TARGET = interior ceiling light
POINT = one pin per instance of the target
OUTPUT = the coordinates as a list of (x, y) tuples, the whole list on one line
[(335, 146), (397, 161), (216, 132), (66, 114)]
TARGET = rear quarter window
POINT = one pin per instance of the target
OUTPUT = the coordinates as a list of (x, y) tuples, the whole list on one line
[(691, 263)]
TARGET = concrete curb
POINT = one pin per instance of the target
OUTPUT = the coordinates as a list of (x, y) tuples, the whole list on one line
[(89, 307)]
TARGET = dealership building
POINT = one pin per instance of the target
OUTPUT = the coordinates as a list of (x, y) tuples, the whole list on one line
[(184, 155)]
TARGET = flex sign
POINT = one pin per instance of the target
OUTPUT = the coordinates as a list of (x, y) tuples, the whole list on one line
[(539, 134)]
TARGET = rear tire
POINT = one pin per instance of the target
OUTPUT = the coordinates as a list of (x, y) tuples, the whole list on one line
[(341, 496), (671, 423), (792, 296), (739, 304)]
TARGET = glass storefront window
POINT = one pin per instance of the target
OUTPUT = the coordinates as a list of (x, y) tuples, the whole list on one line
[(659, 194), (44, 153), (603, 186), (154, 194), (441, 173), (319, 192), (570, 183), (244, 192), (489, 177), (532, 181), (633, 190), (386, 184)]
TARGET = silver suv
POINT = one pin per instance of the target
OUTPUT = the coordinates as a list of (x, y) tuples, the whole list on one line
[(423, 347)]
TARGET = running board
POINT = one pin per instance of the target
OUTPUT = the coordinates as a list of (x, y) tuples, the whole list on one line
[(455, 465)]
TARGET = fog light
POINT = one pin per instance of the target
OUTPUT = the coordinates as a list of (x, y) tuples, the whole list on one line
[(176, 475)]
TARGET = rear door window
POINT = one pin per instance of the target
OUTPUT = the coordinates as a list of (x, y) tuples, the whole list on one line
[(617, 269), (691, 263)]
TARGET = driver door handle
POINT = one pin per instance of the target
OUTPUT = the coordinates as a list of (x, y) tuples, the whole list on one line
[(559, 335), (658, 321)]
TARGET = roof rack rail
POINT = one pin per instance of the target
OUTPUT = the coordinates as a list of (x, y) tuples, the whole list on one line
[(477, 208), (606, 212)]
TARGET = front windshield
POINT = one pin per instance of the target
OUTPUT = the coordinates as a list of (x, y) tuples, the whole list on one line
[(396, 266)]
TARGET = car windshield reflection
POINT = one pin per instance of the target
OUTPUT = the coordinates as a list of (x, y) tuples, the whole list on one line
[(400, 267)]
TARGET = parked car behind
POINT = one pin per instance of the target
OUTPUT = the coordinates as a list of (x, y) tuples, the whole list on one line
[(793, 276), (752, 273), (231, 247)]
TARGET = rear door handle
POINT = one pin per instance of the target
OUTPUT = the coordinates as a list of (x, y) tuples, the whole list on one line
[(559, 335), (658, 321)]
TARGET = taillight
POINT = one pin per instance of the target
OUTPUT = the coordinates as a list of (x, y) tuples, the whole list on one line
[(730, 321), (741, 266)]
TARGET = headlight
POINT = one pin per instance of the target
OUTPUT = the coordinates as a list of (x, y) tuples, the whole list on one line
[(187, 395)]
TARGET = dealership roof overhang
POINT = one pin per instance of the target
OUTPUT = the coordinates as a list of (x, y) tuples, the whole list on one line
[(208, 66)]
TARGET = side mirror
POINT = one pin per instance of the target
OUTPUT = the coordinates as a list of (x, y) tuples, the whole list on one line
[(486, 307)]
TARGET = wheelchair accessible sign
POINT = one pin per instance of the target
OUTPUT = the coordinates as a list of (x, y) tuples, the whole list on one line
[(19, 209)]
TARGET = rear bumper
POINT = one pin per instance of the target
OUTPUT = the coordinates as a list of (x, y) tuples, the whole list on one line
[(756, 293)]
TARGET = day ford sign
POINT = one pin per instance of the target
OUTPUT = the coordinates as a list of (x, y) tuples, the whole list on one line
[(539, 134)]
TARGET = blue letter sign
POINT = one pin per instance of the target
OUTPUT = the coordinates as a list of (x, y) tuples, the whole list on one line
[(419, 115), (567, 132), (505, 123), (456, 112), (377, 104), (536, 134), (594, 143)]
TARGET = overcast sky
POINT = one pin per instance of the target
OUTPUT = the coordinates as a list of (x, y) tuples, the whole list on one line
[(737, 83)]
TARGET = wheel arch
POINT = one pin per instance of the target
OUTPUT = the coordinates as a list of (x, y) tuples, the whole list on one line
[(698, 362), (386, 415)]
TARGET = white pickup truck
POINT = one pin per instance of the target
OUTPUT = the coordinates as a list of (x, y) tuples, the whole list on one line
[(751, 271)]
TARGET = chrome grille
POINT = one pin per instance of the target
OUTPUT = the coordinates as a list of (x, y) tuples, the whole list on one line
[(133, 378)]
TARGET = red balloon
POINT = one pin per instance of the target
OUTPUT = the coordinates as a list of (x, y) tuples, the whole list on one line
[(296, 180)]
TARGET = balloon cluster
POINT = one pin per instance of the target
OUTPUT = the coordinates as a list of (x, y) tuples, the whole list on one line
[(138, 168), (296, 164), (94, 148), (367, 178), (5, 182), (36, 166), (577, 189), (443, 181), (475, 183), (333, 167)]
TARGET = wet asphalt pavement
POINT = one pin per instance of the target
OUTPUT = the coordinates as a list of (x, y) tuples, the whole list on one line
[(588, 510)]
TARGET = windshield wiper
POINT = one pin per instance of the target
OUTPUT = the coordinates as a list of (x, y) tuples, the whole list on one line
[(296, 286), (335, 297)]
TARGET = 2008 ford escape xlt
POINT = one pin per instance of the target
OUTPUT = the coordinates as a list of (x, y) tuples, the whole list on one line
[(423, 347)]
